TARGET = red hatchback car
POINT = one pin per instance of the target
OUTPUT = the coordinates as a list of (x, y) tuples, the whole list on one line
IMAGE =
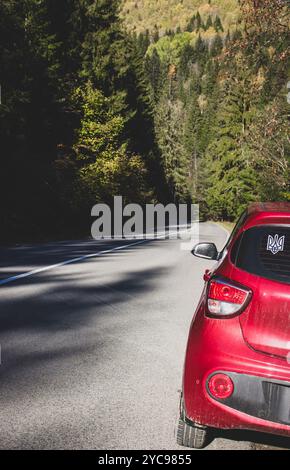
[(237, 366)]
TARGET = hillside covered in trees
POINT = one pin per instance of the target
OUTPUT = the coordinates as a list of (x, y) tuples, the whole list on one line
[(220, 101), (166, 15), (191, 107)]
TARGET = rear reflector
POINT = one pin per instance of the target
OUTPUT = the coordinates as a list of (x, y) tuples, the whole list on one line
[(221, 386), (225, 298)]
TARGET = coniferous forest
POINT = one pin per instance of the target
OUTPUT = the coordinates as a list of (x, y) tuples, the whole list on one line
[(92, 108)]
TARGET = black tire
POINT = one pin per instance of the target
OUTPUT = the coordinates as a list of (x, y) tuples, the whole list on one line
[(191, 436)]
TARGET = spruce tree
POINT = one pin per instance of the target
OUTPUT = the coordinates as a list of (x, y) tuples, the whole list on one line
[(216, 46), (191, 24), (209, 23), (218, 24), (231, 182), (193, 126), (154, 74), (186, 57), (198, 21), (170, 131)]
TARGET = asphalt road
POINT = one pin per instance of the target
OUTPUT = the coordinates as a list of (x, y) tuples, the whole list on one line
[(92, 351)]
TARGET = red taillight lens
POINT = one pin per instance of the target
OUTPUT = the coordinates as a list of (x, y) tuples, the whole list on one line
[(221, 386), (225, 298)]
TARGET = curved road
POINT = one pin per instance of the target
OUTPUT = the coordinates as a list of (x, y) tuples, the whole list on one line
[(92, 351)]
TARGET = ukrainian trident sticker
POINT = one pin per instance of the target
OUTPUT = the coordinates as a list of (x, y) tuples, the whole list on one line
[(275, 244)]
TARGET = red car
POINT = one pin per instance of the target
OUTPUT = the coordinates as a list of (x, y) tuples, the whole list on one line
[(237, 366)]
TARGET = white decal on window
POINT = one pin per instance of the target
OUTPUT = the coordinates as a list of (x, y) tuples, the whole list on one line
[(275, 244)]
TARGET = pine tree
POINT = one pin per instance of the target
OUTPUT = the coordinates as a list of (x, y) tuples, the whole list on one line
[(216, 46), (218, 24), (186, 57), (169, 119), (209, 23), (154, 74), (104, 51), (228, 38), (231, 183), (191, 24), (143, 42), (201, 51), (199, 22), (155, 36), (191, 142)]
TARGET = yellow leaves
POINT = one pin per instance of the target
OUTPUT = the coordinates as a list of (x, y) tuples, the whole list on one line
[(172, 71), (100, 127), (207, 9), (108, 168), (169, 14), (202, 103), (115, 172), (259, 79), (271, 51)]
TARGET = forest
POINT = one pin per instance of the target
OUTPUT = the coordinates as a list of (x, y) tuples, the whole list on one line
[(90, 109)]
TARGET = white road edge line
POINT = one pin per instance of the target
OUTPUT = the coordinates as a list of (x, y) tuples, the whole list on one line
[(8, 280), (64, 263)]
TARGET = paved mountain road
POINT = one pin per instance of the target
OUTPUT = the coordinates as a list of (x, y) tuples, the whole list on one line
[(92, 352)]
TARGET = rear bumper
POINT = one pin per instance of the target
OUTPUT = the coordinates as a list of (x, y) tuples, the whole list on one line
[(258, 397), (261, 398)]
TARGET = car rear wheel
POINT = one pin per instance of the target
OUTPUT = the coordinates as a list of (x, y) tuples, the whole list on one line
[(191, 436)]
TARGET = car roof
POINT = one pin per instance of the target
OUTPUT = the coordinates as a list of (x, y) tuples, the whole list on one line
[(267, 213), (258, 207)]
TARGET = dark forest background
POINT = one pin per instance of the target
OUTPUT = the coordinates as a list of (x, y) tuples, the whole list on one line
[(90, 110)]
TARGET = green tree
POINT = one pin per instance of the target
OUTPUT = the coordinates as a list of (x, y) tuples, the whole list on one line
[(193, 152), (155, 36), (269, 149), (107, 167), (186, 58), (218, 24), (198, 22), (209, 23), (231, 183), (170, 130), (191, 24), (154, 73), (216, 46)]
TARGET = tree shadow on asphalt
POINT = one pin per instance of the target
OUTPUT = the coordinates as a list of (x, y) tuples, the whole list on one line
[(56, 303), (259, 441), (48, 321), (17, 260)]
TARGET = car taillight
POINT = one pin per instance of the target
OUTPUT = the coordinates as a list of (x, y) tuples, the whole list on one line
[(225, 298)]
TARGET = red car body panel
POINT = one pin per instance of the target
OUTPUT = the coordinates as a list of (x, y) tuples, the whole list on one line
[(254, 344)]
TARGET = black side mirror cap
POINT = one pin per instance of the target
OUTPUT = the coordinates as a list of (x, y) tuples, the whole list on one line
[(206, 251)]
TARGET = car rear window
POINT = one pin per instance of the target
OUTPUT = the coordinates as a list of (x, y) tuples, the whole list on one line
[(264, 251)]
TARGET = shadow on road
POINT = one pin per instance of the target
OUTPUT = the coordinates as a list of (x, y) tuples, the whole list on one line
[(20, 259), (259, 441), (54, 304)]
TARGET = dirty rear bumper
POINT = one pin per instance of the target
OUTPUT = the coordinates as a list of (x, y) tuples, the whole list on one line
[(260, 397)]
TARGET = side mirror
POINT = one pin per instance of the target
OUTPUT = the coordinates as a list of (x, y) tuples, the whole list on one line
[(206, 251)]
